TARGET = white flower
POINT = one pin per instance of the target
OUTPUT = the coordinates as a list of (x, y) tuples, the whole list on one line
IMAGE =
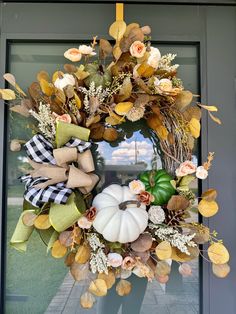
[(162, 86), (154, 57), (136, 186), (156, 214), (201, 173), (86, 50), (114, 259), (84, 223), (67, 79)]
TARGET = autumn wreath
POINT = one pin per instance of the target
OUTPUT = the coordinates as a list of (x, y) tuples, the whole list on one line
[(118, 230)]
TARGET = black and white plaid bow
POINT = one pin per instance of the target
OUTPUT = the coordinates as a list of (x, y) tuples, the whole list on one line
[(40, 150)]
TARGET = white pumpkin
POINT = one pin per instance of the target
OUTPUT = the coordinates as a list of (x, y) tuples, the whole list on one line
[(119, 216), (67, 79)]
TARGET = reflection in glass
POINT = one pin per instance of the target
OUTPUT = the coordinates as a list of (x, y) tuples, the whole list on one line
[(36, 283)]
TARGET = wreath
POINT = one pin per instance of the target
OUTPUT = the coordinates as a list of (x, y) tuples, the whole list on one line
[(111, 232)]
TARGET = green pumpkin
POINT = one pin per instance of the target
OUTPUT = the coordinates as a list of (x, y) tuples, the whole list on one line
[(98, 75), (157, 182)]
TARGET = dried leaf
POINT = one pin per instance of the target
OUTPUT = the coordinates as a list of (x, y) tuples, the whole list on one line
[(142, 100), (110, 135), (22, 109), (29, 219), (42, 222), (208, 108), (209, 195), (56, 75), (156, 124), (79, 271), (136, 34), (183, 99), (87, 300), (70, 68), (123, 108), (92, 119), (185, 270), (146, 29), (60, 95), (143, 243), (117, 30), (207, 208), (10, 78), (125, 90), (178, 202), (7, 94), (145, 70), (129, 28), (83, 254), (35, 91), (98, 287), (80, 73), (58, 250), (113, 121), (65, 238), (77, 101), (117, 52), (43, 75), (162, 268), (143, 86), (97, 131), (123, 287), (202, 234), (47, 88), (192, 112), (163, 250), (194, 127), (109, 278), (215, 119), (69, 91), (70, 258), (218, 253), (179, 256), (105, 48), (221, 270)]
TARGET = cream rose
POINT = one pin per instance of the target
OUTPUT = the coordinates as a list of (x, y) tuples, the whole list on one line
[(67, 79), (156, 214), (64, 118), (128, 263), (137, 49), (114, 259), (86, 50), (154, 57), (201, 173), (84, 223), (163, 86), (73, 54), (136, 186), (185, 168)]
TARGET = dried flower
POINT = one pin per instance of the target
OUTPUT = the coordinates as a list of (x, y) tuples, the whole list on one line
[(99, 262), (137, 49), (67, 79), (136, 113), (163, 86), (64, 117), (91, 213), (114, 259), (187, 167), (154, 57), (146, 198), (156, 214), (15, 145), (86, 50), (201, 173), (136, 186), (165, 63), (174, 237), (73, 54), (84, 223), (128, 263), (46, 121)]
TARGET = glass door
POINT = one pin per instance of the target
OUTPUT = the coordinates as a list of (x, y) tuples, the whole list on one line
[(37, 283)]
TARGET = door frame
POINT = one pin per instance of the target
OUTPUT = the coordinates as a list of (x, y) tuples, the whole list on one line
[(208, 288)]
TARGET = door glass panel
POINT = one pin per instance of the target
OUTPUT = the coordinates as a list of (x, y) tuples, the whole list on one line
[(36, 283)]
